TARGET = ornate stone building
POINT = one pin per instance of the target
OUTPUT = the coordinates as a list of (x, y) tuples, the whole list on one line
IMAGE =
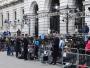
[(14, 13), (86, 3)]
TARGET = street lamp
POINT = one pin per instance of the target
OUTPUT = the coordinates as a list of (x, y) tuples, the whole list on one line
[(57, 7), (68, 16)]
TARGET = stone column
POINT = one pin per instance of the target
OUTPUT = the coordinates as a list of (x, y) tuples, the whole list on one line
[(32, 26), (44, 23)]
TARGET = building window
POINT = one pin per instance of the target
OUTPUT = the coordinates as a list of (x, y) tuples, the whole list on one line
[(2, 18), (15, 15), (23, 11), (89, 8), (7, 15)]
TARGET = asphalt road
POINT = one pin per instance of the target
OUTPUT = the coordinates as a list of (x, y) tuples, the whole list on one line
[(12, 62)]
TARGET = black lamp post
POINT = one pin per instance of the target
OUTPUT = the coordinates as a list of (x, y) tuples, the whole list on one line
[(68, 16)]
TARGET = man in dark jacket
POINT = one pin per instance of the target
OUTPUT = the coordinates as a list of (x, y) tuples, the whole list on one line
[(18, 47), (55, 50), (18, 32), (85, 31), (25, 46), (85, 28)]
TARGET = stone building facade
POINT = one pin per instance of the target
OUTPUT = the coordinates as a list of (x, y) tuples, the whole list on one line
[(12, 13), (86, 3)]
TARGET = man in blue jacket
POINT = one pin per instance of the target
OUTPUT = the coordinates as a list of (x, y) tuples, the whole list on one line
[(36, 43)]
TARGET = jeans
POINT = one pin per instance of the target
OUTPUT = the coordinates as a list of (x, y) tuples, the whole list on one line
[(8, 50)]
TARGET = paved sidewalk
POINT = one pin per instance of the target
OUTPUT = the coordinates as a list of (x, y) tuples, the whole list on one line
[(12, 62)]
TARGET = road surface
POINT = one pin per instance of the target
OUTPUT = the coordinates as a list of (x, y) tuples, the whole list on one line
[(12, 62)]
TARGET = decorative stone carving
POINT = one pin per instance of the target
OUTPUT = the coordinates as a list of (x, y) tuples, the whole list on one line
[(7, 2)]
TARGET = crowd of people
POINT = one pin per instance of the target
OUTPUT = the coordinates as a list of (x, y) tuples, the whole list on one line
[(26, 47)]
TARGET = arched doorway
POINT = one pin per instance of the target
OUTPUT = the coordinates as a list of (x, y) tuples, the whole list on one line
[(34, 9), (54, 20), (36, 19)]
